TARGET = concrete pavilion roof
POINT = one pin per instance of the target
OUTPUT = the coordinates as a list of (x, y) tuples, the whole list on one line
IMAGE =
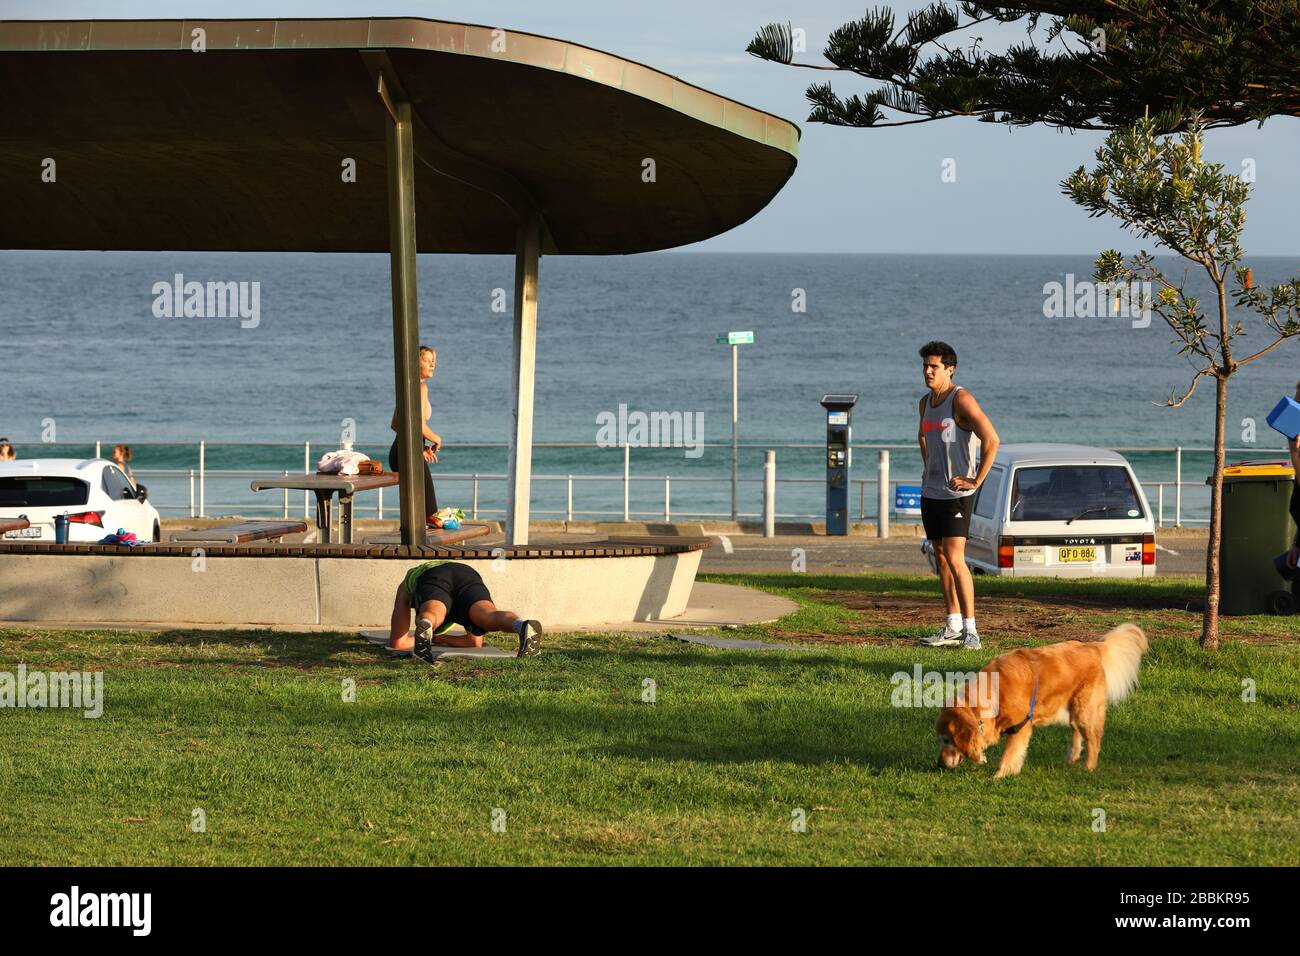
[(241, 147)]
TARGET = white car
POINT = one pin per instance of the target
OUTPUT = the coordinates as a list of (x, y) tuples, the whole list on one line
[(96, 496), (1061, 511)]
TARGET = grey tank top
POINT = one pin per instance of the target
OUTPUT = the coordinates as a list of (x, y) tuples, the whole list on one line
[(949, 449)]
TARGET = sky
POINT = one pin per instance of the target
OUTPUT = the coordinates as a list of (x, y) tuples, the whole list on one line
[(855, 191)]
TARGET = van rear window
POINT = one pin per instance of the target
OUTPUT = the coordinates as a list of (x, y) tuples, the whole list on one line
[(1081, 492), (43, 492)]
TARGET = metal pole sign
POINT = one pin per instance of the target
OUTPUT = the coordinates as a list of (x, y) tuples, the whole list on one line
[(735, 339)]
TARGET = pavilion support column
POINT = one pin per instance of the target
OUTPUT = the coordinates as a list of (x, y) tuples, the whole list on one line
[(406, 320), (527, 253)]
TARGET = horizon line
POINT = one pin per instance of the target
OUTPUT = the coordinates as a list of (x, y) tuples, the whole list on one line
[(655, 252)]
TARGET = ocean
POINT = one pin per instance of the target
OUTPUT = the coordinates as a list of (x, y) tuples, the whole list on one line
[(85, 359)]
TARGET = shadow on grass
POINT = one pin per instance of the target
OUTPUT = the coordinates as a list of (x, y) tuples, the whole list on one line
[(817, 663), (754, 732), (827, 664), (709, 733), (297, 648), (715, 707), (328, 649)]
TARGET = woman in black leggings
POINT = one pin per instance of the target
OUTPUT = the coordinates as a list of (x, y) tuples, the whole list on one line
[(428, 362)]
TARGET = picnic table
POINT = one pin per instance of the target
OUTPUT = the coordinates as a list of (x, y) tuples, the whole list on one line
[(13, 524), (324, 487)]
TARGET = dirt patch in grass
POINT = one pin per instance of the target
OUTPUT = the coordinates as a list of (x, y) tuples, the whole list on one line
[(1027, 618), (859, 600)]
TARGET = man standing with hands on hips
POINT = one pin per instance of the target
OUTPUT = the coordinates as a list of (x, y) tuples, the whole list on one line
[(952, 426)]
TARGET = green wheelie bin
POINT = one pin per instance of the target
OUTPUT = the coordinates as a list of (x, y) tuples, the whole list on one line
[(1257, 527)]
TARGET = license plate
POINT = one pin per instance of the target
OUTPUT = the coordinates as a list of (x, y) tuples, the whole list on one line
[(1076, 555), (24, 533)]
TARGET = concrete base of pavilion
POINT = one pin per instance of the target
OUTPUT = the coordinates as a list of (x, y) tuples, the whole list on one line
[(710, 607), (327, 593)]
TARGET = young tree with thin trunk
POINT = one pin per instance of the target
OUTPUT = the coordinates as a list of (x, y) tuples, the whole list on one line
[(1158, 188)]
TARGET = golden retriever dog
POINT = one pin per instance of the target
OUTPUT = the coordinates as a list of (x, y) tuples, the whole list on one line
[(1068, 683)]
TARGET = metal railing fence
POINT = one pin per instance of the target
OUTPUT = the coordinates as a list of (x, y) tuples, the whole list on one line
[(187, 488)]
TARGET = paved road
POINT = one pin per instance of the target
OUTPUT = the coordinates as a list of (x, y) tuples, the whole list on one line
[(1181, 555)]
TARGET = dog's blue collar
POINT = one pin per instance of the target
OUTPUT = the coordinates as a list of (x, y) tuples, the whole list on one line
[(1033, 699)]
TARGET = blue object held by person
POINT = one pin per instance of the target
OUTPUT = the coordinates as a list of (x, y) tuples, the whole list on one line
[(1285, 417)]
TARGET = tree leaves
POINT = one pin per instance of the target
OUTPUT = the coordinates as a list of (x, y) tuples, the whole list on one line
[(1093, 64), (1158, 188), (774, 42)]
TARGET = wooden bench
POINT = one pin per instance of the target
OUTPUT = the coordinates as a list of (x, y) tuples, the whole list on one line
[(683, 540), (241, 533), (436, 537), (13, 524)]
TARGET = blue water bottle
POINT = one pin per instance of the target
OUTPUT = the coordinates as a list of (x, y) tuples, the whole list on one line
[(61, 528)]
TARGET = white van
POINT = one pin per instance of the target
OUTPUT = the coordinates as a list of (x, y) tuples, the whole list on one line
[(1067, 511)]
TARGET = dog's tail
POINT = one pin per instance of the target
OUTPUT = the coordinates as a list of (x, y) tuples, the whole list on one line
[(1121, 655)]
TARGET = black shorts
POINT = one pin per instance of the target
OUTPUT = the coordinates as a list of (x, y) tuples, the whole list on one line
[(946, 517), (457, 587)]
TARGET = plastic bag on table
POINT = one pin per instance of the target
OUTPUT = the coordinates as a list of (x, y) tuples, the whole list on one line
[(340, 462)]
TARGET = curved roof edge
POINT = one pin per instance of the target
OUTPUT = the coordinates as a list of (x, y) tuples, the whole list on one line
[(411, 33)]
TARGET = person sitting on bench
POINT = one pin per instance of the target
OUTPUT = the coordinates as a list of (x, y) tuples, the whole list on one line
[(444, 593)]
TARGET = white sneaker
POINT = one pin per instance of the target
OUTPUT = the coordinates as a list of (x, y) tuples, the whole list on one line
[(970, 640), (423, 640), (945, 638)]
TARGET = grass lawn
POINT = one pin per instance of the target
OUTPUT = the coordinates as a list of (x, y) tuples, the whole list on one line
[(252, 728)]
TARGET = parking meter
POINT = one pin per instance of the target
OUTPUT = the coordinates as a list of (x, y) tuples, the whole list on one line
[(839, 458)]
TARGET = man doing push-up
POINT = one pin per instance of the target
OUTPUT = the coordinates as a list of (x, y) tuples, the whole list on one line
[(443, 594)]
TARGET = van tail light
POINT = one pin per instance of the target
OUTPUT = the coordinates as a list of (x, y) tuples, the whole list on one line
[(88, 517), (1006, 553), (1148, 549)]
